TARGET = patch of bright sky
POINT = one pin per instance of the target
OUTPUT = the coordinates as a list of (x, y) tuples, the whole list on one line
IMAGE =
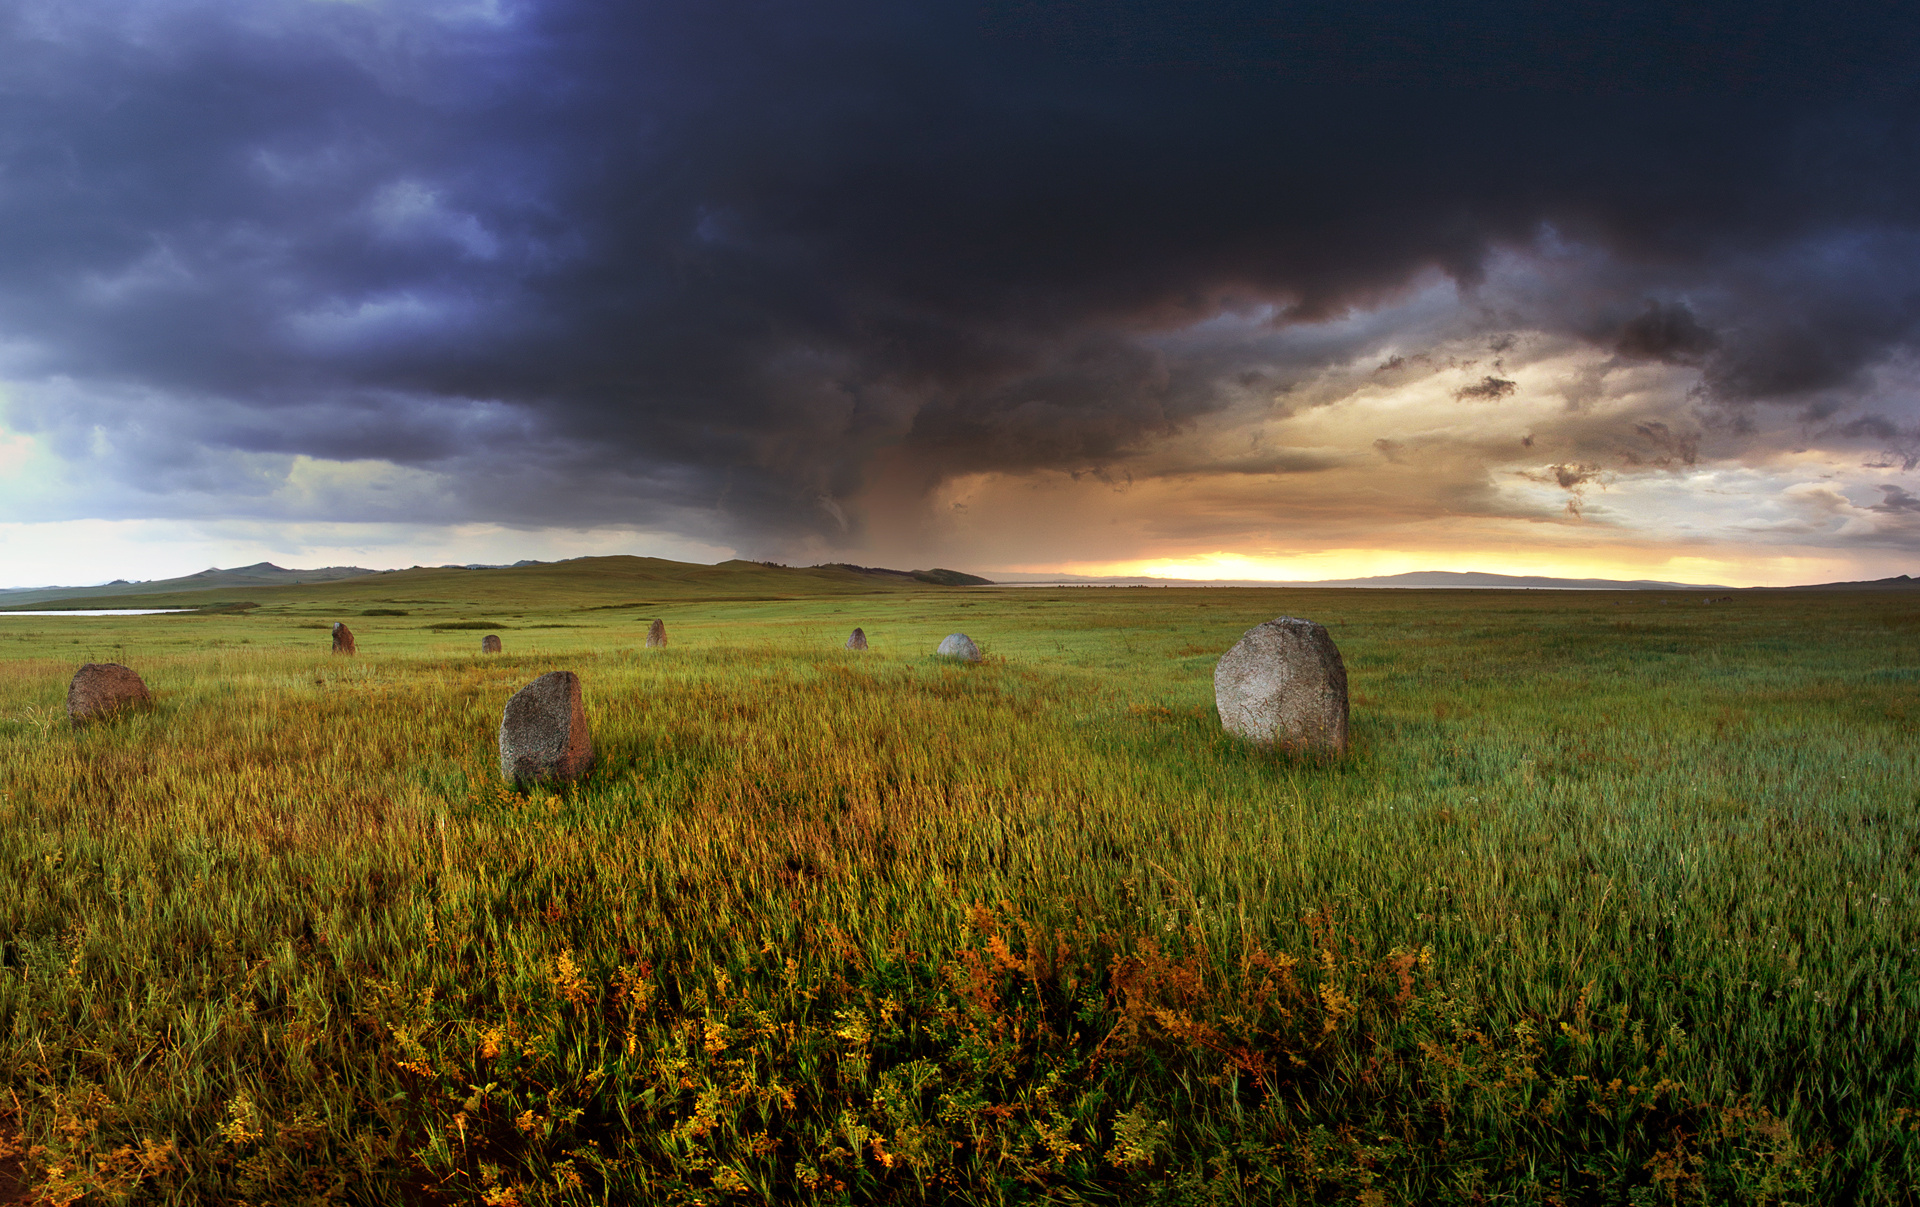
[(27, 471), (314, 486), (1733, 568), (15, 453), (1794, 503)]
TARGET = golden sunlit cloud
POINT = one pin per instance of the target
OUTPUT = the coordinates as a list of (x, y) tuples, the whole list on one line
[(1548, 458)]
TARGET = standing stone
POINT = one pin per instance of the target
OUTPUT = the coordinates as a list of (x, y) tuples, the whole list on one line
[(100, 689), (959, 645), (342, 638), (490, 644), (858, 641), (1284, 685), (543, 732), (657, 635)]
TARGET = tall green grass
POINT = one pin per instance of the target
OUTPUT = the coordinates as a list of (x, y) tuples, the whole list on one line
[(1612, 902)]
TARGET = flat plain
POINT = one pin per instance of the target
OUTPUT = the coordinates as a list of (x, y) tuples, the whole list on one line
[(1613, 901)]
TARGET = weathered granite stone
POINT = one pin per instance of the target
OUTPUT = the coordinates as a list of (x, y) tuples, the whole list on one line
[(100, 689), (342, 638), (858, 641), (657, 635), (543, 732), (1284, 685), (959, 645), (490, 644)]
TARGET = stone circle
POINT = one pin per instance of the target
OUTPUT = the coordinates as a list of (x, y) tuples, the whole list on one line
[(1284, 685), (543, 731), (858, 641), (101, 689), (960, 646), (342, 638)]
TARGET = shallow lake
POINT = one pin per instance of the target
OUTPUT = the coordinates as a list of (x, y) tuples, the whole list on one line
[(101, 612)]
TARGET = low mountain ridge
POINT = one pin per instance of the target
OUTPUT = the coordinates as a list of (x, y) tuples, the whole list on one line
[(260, 574), (619, 581), (935, 576), (598, 582), (1899, 582)]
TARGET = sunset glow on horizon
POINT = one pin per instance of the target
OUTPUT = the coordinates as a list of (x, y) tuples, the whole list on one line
[(1370, 563)]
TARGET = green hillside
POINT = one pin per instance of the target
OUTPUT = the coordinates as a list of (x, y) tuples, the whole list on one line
[(260, 574), (581, 583)]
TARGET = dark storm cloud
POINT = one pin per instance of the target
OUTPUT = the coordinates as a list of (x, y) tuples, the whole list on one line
[(1666, 332), (727, 254)]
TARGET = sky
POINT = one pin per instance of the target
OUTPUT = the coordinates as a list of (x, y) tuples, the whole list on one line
[(1287, 290)]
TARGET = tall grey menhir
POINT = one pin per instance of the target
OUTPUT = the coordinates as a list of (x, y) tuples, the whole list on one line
[(543, 731)]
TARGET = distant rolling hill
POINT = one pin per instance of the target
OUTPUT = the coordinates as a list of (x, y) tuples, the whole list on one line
[(939, 578), (620, 582), (260, 574), (592, 582), (1899, 582)]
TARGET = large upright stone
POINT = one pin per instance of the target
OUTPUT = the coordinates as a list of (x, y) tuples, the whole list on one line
[(100, 689), (1284, 685), (543, 732), (959, 645), (657, 635), (342, 638), (858, 641), (490, 644)]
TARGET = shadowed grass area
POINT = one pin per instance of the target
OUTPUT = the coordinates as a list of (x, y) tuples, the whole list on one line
[(1613, 902)]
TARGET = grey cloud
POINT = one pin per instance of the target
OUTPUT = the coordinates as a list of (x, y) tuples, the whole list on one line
[(1901, 445), (1258, 465), (1670, 448), (1567, 477), (1896, 499), (1487, 389), (1572, 478)]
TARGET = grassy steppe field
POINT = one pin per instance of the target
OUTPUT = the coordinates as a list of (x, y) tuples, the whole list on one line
[(1613, 901)]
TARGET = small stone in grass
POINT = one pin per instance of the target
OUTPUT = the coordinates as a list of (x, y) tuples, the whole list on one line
[(960, 646), (101, 689)]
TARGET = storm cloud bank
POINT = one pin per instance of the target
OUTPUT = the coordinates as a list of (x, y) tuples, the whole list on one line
[(752, 271)]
